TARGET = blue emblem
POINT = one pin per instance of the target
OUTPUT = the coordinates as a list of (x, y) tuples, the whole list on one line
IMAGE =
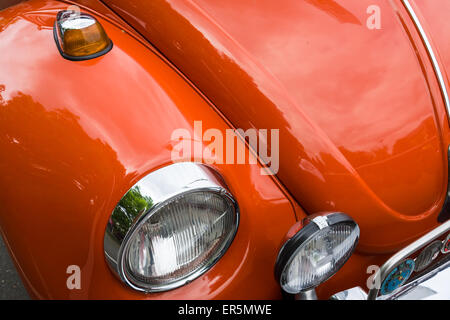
[(397, 277)]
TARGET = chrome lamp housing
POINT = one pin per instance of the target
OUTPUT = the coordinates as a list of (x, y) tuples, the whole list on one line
[(171, 227), (315, 250)]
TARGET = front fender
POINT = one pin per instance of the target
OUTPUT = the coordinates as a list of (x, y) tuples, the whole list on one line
[(75, 136)]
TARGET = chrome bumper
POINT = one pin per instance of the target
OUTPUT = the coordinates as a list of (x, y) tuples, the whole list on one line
[(432, 286), (432, 283)]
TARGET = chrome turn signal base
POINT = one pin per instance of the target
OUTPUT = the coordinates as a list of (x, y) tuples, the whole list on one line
[(79, 36)]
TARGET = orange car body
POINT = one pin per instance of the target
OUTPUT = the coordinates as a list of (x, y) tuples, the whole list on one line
[(362, 122)]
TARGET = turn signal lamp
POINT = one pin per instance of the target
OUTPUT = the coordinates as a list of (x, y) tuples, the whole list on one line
[(79, 36), (315, 250)]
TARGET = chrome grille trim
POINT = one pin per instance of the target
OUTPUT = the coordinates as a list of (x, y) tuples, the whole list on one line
[(405, 253)]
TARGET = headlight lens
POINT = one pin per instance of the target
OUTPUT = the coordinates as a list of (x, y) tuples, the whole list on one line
[(179, 238), (184, 220), (316, 252)]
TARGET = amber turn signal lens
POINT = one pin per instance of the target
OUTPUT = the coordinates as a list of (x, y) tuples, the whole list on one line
[(80, 36)]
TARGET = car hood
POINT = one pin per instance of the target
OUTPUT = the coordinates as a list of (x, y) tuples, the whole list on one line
[(360, 130)]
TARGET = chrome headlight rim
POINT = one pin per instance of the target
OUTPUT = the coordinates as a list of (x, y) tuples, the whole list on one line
[(311, 227), (207, 180)]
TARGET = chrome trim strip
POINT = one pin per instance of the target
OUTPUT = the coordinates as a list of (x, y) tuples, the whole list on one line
[(444, 215), (389, 265), (154, 190), (430, 51)]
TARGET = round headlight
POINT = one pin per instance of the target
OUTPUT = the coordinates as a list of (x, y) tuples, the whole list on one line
[(316, 252), (171, 227)]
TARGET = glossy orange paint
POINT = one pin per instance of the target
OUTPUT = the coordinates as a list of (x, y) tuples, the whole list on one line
[(74, 136), (363, 128)]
